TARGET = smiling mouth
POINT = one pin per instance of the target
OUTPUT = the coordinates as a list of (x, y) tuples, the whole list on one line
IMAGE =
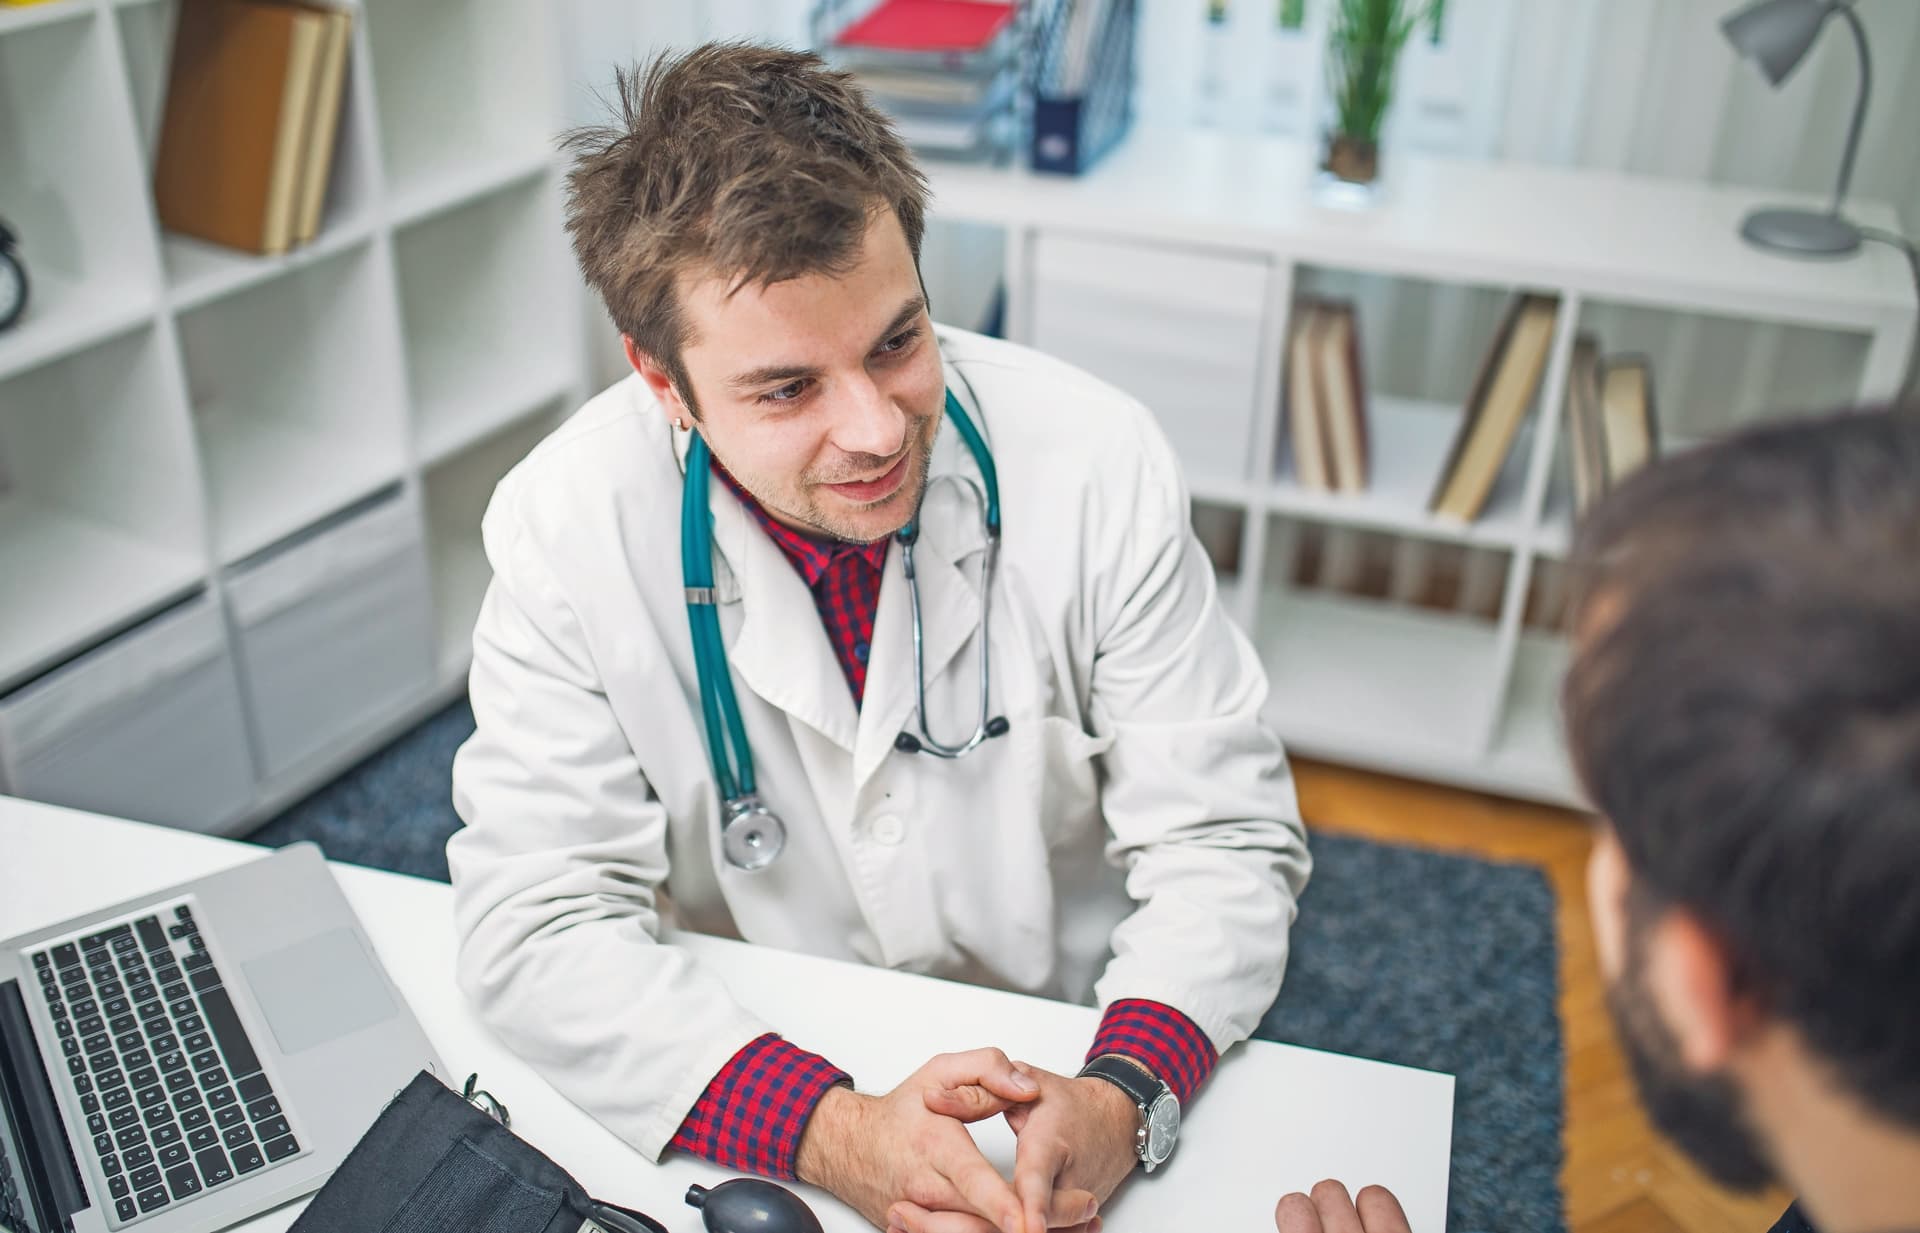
[(880, 487)]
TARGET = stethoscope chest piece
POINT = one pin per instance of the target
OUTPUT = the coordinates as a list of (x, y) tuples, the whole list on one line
[(752, 836)]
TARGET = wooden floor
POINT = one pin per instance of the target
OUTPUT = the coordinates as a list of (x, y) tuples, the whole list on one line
[(1620, 1177)]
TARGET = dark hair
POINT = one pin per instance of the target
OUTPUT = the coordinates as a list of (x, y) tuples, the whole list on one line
[(1744, 708), (758, 164)]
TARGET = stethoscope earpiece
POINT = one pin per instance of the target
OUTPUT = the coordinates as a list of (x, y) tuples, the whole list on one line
[(908, 743)]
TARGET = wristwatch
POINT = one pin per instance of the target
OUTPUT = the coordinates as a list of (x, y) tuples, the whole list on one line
[(13, 280), (1159, 1107)]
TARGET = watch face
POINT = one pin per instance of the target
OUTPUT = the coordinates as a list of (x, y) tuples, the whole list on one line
[(13, 289), (1163, 1127)]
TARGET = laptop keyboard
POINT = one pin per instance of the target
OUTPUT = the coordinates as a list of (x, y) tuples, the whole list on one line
[(175, 1100), (13, 1200)]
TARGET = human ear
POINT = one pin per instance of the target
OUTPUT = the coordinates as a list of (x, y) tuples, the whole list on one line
[(665, 390), (1692, 976)]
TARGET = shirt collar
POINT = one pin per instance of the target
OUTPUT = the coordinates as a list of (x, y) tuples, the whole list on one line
[(812, 555)]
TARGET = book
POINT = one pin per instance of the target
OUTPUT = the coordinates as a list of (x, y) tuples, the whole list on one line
[(890, 86), (1503, 390), (317, 166), (1626, 401), (957, 26), (1312, 468), (1343, 396), (932, 134), (234, 129), (1586, 434)]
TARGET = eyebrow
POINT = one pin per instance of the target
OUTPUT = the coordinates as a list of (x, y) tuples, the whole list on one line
[(782, 373)]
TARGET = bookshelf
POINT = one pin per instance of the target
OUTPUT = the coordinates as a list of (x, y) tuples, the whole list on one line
[(1106, 270), (456, 494), (189, 429)]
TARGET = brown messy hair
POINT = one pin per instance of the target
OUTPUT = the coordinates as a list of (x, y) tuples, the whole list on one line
[(756, 164), (1744, 708)]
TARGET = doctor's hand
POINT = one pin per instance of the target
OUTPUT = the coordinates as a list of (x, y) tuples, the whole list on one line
[(879, 1154), (1076, 1138), (1331, 1211)]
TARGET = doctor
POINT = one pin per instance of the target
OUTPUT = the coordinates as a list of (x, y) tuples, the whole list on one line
[(833, 631)]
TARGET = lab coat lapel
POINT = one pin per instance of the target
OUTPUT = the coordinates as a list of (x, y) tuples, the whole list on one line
[(781, 652), (947, 561)]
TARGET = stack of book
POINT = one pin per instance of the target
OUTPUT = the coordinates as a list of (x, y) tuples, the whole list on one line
[(1610, 412), (252, 110), (1610, 419), (945, 71), (1326, 398)]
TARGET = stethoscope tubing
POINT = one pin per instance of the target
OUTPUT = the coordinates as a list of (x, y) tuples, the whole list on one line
[(720, 707)]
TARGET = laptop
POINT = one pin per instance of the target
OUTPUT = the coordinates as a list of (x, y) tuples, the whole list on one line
[(184, 1060)]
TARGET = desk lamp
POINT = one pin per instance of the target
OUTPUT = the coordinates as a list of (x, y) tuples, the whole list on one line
[(1776, 35)]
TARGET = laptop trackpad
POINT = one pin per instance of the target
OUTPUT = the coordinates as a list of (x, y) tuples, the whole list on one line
[(319, 990)]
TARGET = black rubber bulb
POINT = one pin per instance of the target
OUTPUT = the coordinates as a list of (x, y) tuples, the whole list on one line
[(749, 1205)]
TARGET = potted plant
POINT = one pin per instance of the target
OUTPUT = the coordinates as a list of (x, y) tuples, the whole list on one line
[(1364, 41)]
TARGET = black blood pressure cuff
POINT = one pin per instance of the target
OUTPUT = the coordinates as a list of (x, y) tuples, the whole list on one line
[(435, 1163)]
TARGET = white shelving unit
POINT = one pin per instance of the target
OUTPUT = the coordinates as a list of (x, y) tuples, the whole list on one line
[(1102, 270), (182, 424), (98, 508), (297, 399), (456, 495), (486, 345)]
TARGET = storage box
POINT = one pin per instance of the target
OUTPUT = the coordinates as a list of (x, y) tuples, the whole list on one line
[(146, 726), (335, 632)]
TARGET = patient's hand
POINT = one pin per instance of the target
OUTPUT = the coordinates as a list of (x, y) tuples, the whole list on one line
[(1331, 1211), (907, 1151)]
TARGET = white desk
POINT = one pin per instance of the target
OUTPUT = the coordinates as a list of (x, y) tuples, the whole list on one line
[(1274, 1118)]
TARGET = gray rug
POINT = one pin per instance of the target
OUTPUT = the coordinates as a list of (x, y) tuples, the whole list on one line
[(1447, 963), (1443, 962)]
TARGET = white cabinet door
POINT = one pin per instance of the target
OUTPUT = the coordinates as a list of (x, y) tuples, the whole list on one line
[(1179, 329), (147, 726), (336, 631)]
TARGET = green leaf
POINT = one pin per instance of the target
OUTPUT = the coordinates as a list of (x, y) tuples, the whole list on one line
[(1364, 45)]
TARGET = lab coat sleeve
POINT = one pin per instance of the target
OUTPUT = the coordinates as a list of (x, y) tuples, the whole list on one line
[(556, 872), (1198, 797)]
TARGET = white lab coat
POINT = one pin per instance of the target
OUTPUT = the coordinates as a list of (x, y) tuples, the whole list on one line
[(1134, 834)]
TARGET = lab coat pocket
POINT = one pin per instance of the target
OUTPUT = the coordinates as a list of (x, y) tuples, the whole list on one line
[(1069, 780)]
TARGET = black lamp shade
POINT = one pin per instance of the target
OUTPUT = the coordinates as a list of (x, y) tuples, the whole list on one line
[(1775, 34)]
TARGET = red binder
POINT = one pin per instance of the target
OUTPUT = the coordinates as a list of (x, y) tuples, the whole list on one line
[(929, 25)]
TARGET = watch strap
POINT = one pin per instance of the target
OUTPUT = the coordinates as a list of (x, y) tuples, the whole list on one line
[(1127, 1075)]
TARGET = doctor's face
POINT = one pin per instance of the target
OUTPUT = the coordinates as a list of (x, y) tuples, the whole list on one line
[(821, 394)]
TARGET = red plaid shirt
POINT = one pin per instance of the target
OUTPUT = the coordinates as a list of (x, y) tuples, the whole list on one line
[(751, 1116), (844, 579)]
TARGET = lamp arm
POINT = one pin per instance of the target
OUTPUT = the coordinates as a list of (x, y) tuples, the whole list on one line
[(1845, 9)]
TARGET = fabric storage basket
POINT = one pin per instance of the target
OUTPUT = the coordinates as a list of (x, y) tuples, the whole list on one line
[(335, 632), (147, 726)]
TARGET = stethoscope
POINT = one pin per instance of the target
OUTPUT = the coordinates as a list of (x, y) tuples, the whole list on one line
[(752, 836)]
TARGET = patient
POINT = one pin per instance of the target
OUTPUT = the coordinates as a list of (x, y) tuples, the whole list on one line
[(1744, 711)]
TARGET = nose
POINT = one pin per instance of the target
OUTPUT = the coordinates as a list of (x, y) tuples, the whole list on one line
[(868, 421)]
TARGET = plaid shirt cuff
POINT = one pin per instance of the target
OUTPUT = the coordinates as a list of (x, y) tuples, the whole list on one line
[(752, 1114), (1160, 1038)]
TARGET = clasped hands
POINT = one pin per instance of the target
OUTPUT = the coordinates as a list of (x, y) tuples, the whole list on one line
[(907, 1162)]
